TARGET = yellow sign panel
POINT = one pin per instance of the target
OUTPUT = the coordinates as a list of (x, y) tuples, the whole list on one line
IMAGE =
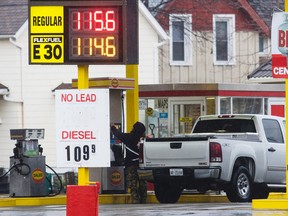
[(47, 48), (186, 119), (46, 19)]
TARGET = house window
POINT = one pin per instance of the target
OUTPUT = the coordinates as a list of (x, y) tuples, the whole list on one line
[(263, 44), (224, 39), (180, 39)]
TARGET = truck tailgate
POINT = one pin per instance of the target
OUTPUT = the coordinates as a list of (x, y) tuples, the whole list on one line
[(176, 151)]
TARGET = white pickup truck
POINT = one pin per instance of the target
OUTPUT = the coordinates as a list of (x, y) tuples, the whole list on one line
[(244, 155)]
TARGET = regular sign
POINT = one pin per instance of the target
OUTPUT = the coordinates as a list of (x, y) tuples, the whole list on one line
[(83, 133), (279, 43)]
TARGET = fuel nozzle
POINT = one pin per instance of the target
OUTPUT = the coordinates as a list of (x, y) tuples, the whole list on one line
[(40, 149), (17, 150)]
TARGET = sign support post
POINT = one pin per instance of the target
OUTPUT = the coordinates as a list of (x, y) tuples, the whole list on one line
[(132, 96), (278, 201), (286, 113), (83, 83)]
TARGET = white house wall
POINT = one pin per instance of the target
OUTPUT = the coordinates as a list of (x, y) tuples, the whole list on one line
[(148, 72)]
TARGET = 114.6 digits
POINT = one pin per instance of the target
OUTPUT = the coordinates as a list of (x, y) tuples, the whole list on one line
[(94, 46)]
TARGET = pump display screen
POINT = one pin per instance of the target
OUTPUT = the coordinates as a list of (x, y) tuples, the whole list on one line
[(95, 34)]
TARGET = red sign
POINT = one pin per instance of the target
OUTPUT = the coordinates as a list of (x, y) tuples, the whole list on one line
[(279, 66)]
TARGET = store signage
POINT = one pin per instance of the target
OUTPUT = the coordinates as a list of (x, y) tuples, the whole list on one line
[(279, 40)]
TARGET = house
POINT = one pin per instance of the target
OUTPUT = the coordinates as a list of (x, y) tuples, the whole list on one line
[(214, 45), (26, 96)]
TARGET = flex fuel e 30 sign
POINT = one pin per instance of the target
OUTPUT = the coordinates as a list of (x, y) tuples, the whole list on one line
[(77, 32)]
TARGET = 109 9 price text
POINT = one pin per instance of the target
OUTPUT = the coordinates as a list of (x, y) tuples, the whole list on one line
[(79, 153)]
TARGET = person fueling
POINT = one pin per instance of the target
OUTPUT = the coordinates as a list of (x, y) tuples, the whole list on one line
[(131, 140)]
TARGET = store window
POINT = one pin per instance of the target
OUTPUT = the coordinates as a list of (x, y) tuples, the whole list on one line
[(225, 105), (154, 114), (247, 105), (237, 105)]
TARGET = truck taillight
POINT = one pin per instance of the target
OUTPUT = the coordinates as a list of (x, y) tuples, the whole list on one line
[(141, 152), (215, 152)]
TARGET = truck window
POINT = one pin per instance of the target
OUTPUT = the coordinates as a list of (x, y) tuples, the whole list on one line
[(273, 131), (225, 126)]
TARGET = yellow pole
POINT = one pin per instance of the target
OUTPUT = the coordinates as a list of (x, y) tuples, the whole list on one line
[(132, 97), (83, 83), (286, 114)]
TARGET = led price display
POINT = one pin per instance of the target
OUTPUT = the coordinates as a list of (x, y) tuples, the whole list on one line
[(95, 34)]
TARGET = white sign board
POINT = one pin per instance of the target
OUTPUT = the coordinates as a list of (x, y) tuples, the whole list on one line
[(279, 44), (82, 128)]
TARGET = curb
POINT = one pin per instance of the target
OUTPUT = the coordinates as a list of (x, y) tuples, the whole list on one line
[(106, 199)]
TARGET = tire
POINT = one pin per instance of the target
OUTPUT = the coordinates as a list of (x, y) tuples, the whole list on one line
[(167, 192), (260, 191), (240, 187)]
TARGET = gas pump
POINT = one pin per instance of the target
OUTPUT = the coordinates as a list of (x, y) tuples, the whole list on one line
[(27, 177), (112, 178)]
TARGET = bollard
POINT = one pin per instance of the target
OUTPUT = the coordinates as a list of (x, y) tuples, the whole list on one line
[(82, 200)]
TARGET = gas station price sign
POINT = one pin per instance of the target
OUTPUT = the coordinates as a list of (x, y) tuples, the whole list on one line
[(82, 128), (83, 32)]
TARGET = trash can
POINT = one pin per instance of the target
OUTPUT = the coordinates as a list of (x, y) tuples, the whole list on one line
[(82, 200)]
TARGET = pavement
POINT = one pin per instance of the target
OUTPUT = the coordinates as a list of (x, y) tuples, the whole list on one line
[(6, 201), (206, 208)]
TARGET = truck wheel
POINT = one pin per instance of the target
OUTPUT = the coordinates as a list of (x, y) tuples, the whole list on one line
[(240, 187), (167, 192)]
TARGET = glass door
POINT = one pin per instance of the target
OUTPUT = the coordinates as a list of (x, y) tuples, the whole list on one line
[(183, 116)]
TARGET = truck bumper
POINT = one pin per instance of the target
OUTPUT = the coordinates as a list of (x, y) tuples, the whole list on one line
[(191, 173)]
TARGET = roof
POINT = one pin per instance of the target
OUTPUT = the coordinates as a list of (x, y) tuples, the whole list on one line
[(263, 71), (265, 9), (263, 74), (13, 14), (260, 11), (255, 16)]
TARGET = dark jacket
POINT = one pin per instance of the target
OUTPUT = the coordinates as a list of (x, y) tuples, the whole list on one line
[(131, 140)]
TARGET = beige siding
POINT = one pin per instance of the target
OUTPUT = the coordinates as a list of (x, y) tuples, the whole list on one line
[(203, 70)]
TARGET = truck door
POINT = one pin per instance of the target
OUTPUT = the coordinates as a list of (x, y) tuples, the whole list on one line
[(183, 115), (276, 151)]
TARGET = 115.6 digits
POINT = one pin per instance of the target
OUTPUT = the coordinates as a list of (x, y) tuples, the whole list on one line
[(94, 33)]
